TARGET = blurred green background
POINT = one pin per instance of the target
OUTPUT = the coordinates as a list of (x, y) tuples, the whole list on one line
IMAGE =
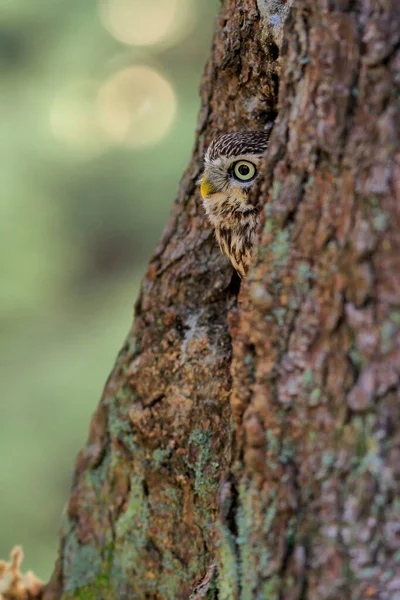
[(98, 108)]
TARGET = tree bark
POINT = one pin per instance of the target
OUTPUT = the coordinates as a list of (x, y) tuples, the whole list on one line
[(273, 477), (317, 347)]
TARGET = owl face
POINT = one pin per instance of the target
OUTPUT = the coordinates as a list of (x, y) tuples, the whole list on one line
[(231, 164), (230, 176)]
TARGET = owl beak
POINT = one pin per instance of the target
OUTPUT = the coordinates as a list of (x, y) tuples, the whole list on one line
[(206, 187)]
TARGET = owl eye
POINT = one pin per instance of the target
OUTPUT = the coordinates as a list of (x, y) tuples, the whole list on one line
[(244, 170)]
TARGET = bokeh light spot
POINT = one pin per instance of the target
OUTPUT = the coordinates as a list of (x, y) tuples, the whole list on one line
[(153, 22), (73, 118), (136, 106)]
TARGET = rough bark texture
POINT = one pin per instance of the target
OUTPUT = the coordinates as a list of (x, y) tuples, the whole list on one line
[(304, 483), (141, 519), (317, 344)]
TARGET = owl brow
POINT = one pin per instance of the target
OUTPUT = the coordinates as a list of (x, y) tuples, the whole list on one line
[(234, 144)]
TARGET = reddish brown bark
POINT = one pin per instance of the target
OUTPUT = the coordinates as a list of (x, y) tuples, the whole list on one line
[(316, 351), (141, 519)]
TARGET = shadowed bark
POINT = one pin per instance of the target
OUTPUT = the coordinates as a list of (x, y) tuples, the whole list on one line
[(141, 519), (292, 497)]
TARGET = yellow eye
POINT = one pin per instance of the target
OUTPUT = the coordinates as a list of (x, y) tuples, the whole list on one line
[(244, 170)]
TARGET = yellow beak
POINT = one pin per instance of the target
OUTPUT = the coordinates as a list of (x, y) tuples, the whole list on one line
[(206, 187)]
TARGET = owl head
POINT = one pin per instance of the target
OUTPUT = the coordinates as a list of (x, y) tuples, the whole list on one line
[(231, 165)]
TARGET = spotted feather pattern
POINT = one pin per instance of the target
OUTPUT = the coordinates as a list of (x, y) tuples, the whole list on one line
[(237, 143), (237, 242)]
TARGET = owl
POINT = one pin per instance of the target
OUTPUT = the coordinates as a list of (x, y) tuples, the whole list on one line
[(231, 165)]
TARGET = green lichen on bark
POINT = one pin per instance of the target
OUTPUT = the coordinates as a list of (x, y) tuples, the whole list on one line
[(301, 503), (326, 272), (147, 480)]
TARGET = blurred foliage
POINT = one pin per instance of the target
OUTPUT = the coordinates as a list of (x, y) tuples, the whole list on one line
[(80, 217)]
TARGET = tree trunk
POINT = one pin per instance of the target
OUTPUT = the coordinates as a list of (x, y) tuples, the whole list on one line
[(316, 348), (272, 477)]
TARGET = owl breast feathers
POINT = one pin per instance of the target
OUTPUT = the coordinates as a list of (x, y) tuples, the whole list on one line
[(231, 165)]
